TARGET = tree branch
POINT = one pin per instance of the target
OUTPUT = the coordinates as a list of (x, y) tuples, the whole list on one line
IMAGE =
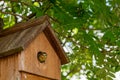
[(23, 17), (55, 20), (31, 15), (70, 38), (12, 7)]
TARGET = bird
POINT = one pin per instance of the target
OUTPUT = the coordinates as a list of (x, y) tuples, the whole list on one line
[(42, 57), (1, 24)]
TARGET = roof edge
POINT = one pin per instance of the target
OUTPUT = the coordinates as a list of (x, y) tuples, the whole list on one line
[(56, 44), (10, 52), (24, 25)]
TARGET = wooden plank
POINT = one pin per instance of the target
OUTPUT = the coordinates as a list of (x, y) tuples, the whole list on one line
[(16, 42), (24, 25), (56, 44), (9, 68), (29, 62)]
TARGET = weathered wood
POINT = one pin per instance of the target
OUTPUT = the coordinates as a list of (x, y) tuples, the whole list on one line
[(26, 62), (56, 44), (16, 42), (24, 41), (9, 68), (23, 26), (17, 38), (29, 63)]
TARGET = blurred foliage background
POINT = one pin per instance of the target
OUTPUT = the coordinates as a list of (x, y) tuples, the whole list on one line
[(89, 31)]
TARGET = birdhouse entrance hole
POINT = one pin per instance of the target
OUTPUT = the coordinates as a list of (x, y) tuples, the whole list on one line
[(42, 56)]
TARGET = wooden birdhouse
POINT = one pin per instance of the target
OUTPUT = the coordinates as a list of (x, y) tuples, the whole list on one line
[(31, 51)]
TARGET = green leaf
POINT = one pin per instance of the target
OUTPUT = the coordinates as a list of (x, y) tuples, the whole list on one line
[(108, 78), (36, 4), (39, 13), (75, 30), (109, 36)]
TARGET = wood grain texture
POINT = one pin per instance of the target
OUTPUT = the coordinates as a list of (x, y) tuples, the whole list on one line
[(19, 47), (9, 68), (24, 25), (16, 42), (56, 44), (29, 62), (17, 38)]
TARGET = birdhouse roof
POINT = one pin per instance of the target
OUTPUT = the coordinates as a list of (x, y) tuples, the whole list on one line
[(17, 38)]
